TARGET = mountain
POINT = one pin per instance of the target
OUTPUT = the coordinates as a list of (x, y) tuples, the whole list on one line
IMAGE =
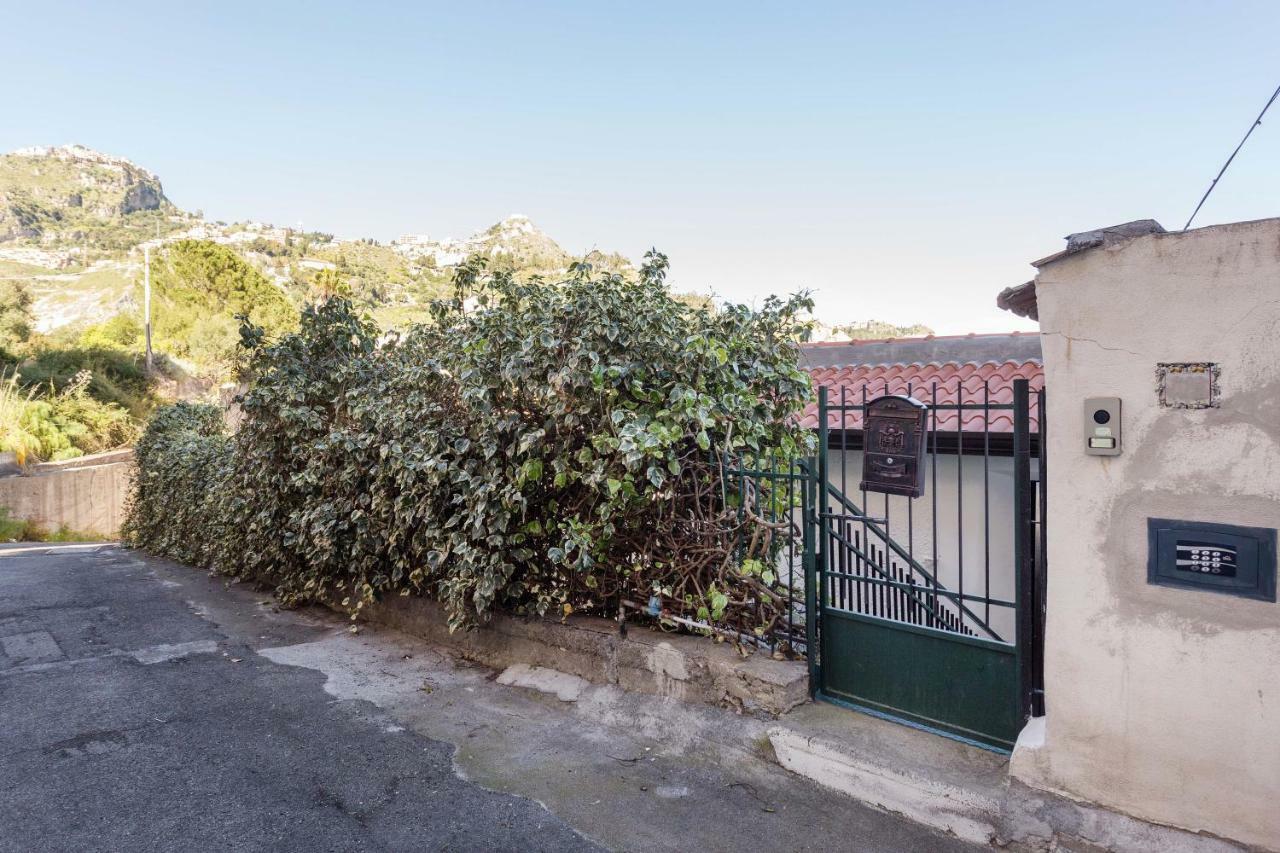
[(867, 330), (74, 221), (515, 242)]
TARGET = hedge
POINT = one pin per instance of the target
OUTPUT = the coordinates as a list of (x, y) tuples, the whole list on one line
[(540, 446)]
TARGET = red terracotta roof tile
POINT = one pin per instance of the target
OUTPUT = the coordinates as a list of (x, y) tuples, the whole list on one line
[(945, 384)]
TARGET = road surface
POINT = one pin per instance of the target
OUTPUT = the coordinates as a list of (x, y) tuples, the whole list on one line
[(149, 707)]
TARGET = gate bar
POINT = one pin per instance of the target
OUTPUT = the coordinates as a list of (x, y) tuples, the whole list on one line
[(1024, 543), (1042, 560), (815, 577)]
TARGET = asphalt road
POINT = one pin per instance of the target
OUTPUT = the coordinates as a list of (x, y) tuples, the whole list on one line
[(147, 706), (128, 722)]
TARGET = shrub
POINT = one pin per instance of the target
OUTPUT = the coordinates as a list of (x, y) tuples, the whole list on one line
[(182, 456), (13, 529), (20, 530), (60, 425), (16, 317), (547, 447), (122, 331), (115, 376), (15, 435), (90, 425)]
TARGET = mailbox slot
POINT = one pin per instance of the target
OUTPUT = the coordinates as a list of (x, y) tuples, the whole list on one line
[(893, 449)]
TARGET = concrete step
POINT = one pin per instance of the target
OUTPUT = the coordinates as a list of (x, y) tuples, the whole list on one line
[(961, 789), (945, 784)]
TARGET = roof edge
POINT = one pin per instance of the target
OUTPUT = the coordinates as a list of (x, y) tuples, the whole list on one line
[(1020, 299), (866, 341), (994, 348), (973, 362), (1106, 236)]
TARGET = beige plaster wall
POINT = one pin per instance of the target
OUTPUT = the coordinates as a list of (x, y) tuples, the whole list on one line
[(87, 494), (1162, 703)]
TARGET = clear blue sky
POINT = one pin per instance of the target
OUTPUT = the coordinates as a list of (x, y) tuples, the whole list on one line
[(903, 160)]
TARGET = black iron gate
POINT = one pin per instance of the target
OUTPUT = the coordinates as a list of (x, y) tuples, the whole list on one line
[(930, 611)]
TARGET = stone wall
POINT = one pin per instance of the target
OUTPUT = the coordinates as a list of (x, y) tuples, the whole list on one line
[(688, 668), (86, 495)]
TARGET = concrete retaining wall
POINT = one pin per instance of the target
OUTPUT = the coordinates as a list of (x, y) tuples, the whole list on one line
[(86, 495)]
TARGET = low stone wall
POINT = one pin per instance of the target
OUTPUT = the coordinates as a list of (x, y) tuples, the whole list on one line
[(86, 495), (692, 669)]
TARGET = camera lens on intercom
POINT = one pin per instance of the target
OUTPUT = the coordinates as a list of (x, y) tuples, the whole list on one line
[(1101, 416)]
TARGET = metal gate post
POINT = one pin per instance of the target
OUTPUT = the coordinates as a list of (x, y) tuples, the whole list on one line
[(809, 540), (1041, 558), (1024, 543), (816, 550)]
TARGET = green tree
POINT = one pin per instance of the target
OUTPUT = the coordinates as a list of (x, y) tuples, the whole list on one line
[(329, 284), (198, 288)]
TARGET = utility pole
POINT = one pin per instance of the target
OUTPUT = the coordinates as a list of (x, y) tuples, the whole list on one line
[(146, 299)]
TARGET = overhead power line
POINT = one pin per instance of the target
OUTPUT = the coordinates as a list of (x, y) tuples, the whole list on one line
[(1223, 170)]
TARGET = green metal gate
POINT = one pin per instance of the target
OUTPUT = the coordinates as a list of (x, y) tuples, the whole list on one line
[(904, 617)]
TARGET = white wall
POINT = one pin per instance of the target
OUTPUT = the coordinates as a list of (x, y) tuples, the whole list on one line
[(1162, 703), (960, 532)]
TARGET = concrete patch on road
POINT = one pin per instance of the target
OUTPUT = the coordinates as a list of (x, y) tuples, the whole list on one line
[(565, 687), (31, 647), (172, 651), (380, 673)]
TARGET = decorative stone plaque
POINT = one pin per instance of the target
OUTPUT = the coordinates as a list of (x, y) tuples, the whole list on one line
[(1187, 385)]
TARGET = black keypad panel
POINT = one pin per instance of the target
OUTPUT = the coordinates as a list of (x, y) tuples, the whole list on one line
[(1212, 557), (1206, 558)]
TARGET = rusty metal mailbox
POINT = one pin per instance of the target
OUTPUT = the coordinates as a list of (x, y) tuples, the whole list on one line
[(893, 446)]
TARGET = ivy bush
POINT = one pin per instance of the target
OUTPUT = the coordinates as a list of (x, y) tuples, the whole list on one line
[(541, 446)]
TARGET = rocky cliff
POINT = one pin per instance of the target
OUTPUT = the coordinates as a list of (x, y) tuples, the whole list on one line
[(50, 191)]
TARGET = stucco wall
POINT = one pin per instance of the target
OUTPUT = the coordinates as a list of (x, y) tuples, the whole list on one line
[(1162, 703), (87, 495)]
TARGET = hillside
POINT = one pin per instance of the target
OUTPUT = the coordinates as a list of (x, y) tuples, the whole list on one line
[(75, 226), (867, 330), (73, 195), (74, 221)]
